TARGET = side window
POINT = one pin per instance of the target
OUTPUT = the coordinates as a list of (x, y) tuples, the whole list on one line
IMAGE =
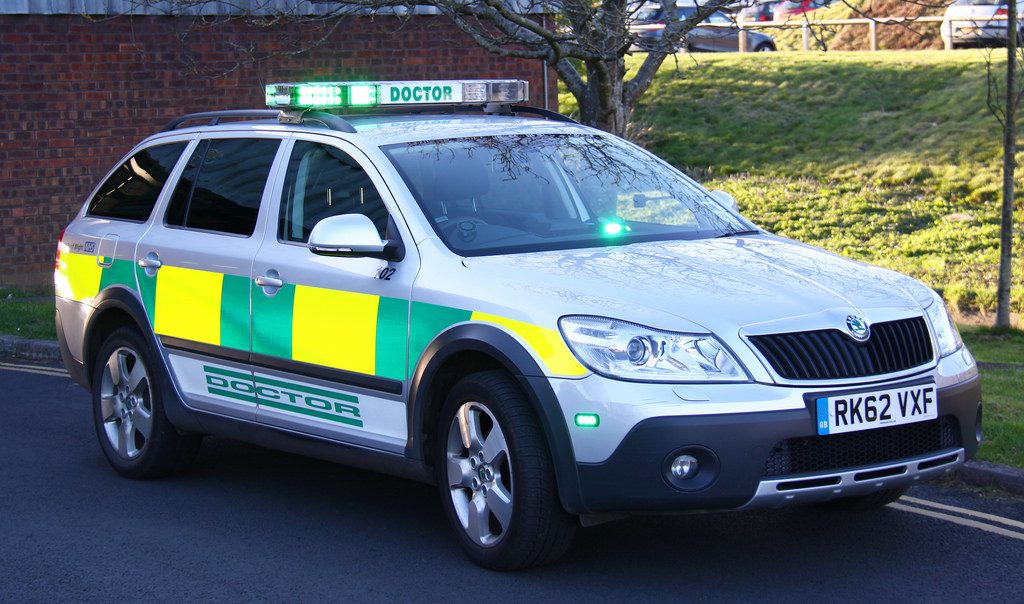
[(222, 185), (131, 191), (325, 181)]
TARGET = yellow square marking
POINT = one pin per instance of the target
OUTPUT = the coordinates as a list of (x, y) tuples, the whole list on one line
[(188, 304), (546, 344), (335, 329), (77, 276)]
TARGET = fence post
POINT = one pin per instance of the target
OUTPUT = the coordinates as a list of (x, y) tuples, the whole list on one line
[(743, 40), (807, 35), (873, 34)]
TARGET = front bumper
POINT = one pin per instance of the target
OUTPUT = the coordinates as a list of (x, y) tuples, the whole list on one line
[(735, 452)]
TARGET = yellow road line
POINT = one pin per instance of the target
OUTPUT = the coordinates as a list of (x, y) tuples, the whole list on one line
[(965, 512), (998, 530), (34, 368)]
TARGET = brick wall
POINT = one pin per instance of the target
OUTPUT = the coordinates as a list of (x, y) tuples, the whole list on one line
[(79, 93)]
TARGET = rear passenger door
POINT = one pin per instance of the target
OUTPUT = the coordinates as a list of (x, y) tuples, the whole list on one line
[(330, 334), (195, 266)]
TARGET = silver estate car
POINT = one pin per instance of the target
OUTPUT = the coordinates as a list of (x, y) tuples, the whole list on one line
[(551, 324)]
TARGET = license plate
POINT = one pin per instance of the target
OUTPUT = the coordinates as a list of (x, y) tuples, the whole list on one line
[(867, 410)]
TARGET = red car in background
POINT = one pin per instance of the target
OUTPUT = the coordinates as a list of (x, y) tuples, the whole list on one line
[(790, 9)]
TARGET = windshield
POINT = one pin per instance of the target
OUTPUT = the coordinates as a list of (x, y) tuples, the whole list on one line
[(523, 193)]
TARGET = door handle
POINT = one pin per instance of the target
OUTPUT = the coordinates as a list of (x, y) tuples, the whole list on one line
[(150, 264), (270, 280)]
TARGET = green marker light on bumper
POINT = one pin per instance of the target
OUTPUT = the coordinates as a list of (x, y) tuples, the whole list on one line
[(587, 420)]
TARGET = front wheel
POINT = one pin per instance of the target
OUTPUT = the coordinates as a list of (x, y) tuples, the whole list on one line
[(765, 48), (134, 433), (495, 476)]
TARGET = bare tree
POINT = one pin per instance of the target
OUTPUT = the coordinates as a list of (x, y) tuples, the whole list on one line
[(1003, 103), (585, 41)]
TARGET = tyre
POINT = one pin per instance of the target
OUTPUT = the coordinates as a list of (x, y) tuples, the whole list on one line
[(134, 433), (495, 476), (764, 48), (864, 502)]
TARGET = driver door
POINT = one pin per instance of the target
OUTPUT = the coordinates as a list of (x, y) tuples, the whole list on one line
[(329, 335)]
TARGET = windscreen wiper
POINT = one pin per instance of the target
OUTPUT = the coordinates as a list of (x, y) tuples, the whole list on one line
[(738, 233)]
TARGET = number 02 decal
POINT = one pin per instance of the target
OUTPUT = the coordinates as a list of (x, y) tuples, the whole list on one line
[(385, 273)]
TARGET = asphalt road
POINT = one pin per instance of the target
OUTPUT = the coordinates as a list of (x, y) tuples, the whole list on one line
[(251, 524)]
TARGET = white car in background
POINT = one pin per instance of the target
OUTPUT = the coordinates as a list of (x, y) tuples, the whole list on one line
[(975, 22)]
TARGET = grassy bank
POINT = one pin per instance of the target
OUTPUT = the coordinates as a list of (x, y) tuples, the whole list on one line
[(888, 157)]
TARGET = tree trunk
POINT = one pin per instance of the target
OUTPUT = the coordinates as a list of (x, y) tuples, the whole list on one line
[(604, 105), (1009, 164)]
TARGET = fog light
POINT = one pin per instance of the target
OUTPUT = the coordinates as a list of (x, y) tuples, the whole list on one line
[(685, 466)]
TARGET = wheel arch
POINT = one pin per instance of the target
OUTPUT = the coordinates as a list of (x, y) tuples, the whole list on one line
[(117, 307), (473, 347)]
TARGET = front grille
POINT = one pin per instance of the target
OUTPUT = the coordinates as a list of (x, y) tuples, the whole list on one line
[(828, 354), (854, 449)]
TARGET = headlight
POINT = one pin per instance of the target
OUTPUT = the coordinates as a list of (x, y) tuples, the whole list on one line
[(946, 334), (622, 350), (947, 337)]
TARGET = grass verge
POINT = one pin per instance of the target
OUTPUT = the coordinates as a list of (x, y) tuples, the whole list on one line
[(28, 316)]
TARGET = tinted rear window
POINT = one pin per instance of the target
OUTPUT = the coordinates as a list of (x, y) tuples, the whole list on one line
[(132, 190), (221, 188)]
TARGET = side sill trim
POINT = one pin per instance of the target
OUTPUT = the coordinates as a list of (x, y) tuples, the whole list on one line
[(338, 376)]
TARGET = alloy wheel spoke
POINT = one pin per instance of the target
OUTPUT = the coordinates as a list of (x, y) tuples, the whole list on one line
[(136, 377), (494, 446), (499, 501), (469, 427), (124, 433), (478, 527), (142, 419), (122, 368), (114, 369), (108, 407), (460, 473)]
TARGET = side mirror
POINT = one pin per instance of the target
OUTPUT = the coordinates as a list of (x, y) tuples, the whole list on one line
[(349, 236), (725, 200)]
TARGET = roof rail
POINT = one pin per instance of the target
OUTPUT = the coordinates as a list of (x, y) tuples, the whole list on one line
[(213, 117), (547, 113), (330, 120)]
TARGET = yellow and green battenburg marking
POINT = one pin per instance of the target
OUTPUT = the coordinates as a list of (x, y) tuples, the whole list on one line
[(352, 331)]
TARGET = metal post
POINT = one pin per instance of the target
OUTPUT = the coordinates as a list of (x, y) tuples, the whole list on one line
[(873, 34), (807, 35)]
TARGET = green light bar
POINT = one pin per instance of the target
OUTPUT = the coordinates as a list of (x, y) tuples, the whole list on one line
[(327, 95), (588, 420)]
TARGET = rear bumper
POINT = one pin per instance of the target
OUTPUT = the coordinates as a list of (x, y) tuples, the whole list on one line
[(733, 451)]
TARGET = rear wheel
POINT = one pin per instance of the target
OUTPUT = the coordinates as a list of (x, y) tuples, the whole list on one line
[(134, 433), (764, 48), (864, 502), (495, 476)]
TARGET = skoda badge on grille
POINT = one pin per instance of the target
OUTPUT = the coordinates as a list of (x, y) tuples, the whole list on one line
[(858, 328)]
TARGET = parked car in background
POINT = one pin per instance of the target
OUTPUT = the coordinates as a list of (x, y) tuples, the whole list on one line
[(720, 35), (793, 8), (975, 22), (759, 11)]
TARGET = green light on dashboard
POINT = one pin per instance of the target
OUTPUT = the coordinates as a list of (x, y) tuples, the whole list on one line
[(612, 228), (588, 420)]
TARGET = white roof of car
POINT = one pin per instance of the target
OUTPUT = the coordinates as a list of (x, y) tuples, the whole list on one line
[(403, 128)]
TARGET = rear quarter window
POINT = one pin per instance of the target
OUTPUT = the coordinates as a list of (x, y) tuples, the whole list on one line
[(132, 190)]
